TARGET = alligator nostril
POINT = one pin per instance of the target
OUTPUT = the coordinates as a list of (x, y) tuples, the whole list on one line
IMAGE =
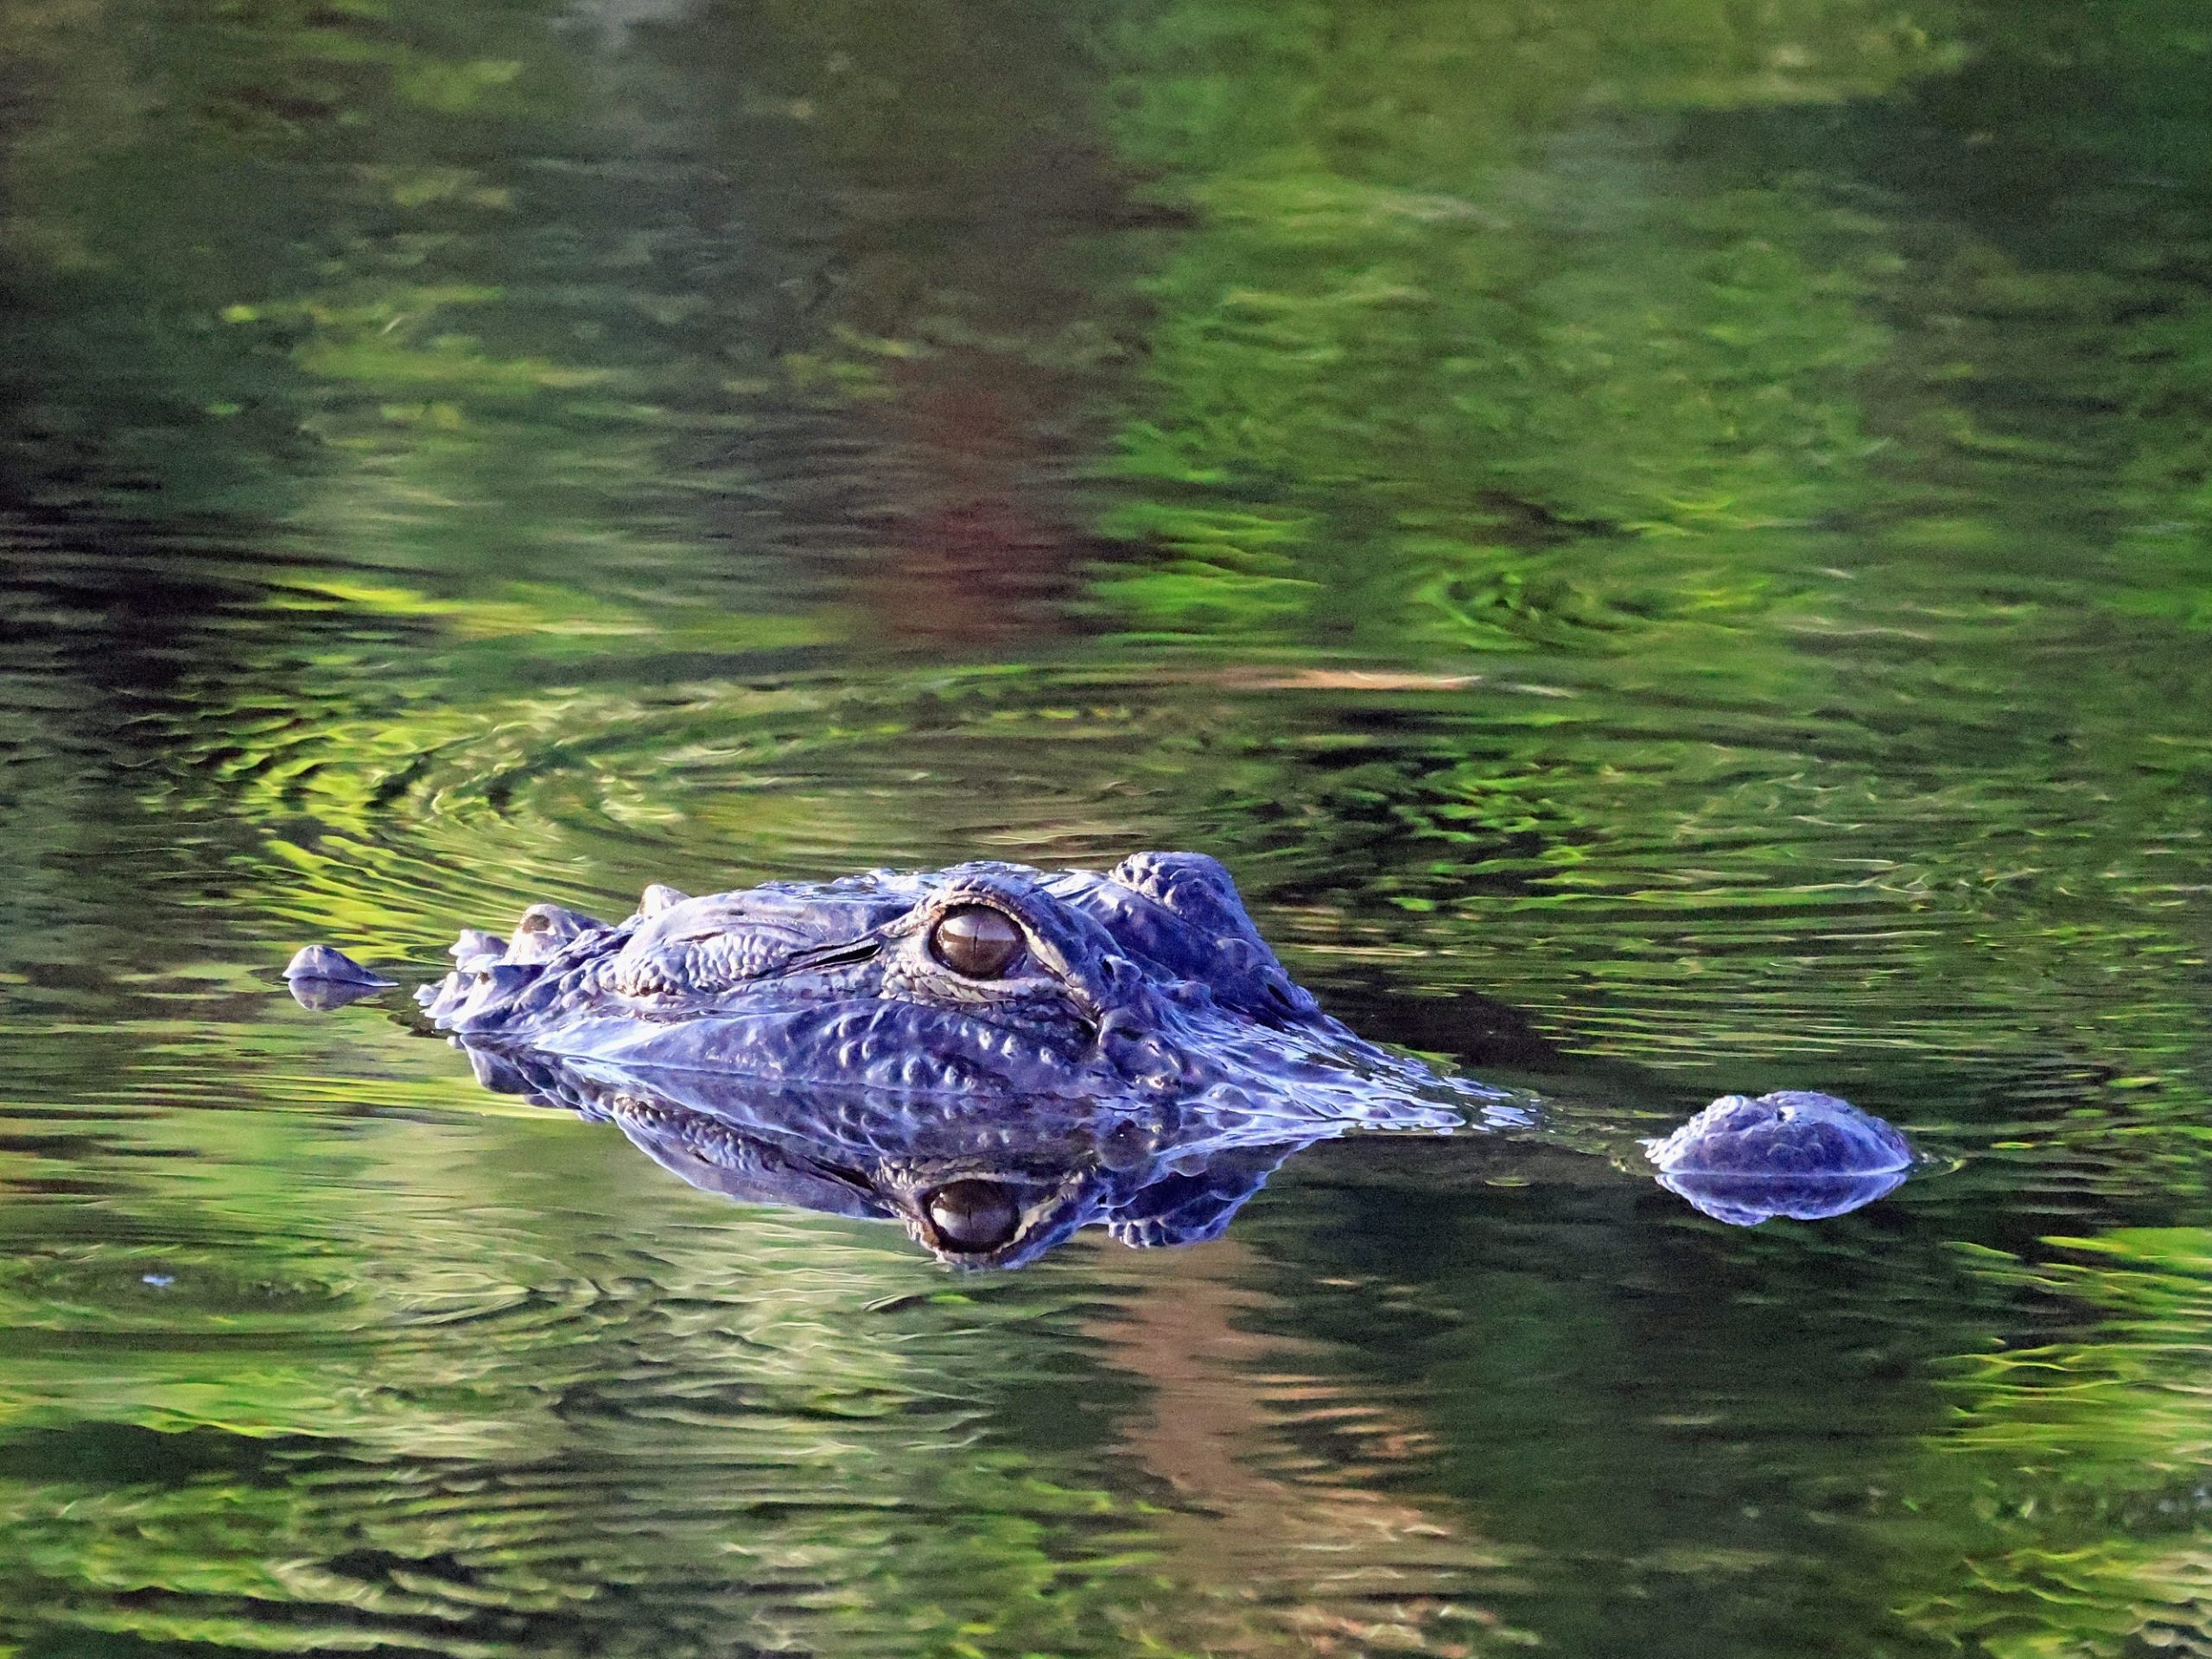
[(973, 1216)]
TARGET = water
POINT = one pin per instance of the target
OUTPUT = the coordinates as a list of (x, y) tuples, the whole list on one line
[(1665, 545)]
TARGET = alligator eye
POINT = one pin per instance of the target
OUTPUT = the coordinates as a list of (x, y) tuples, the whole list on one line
[(975, 940), (974, 1216)]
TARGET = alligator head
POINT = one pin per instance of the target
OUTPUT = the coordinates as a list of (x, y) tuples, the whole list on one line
[(980, 985)]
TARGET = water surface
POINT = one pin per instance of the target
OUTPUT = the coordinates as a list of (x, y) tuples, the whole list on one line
[(1665, 544)]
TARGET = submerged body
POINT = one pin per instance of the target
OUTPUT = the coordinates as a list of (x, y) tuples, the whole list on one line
[(1795, 1152)]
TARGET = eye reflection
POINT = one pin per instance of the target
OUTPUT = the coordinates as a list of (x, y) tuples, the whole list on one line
[(974, 1216), (975, 940)]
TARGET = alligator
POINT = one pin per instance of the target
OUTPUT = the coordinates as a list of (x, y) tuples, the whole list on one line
[(994, 1053)]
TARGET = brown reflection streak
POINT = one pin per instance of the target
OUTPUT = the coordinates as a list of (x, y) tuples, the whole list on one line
[(1330, 1565), (970, 556)]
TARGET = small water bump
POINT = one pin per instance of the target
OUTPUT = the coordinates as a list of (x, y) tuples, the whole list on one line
[(94, 1289)]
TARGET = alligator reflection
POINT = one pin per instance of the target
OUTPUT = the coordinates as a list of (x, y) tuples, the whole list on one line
[(976, 1187), (1747, 1200), (981, 1186)]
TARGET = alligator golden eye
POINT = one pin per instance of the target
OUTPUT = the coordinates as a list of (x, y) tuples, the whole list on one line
[(974, 1216), (975, 940)]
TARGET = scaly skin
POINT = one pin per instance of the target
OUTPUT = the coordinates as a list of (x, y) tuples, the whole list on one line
[(1147, 982)]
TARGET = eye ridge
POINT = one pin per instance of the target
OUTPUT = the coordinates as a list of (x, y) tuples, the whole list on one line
[(976, 941)]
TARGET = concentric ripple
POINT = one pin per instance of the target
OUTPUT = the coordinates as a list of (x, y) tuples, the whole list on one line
[(1555, 844)]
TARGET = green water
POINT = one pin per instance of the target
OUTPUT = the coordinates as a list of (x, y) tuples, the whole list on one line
[(1669, 545)]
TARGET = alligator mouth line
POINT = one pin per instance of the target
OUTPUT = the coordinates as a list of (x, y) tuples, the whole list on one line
[(845, 1175)]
